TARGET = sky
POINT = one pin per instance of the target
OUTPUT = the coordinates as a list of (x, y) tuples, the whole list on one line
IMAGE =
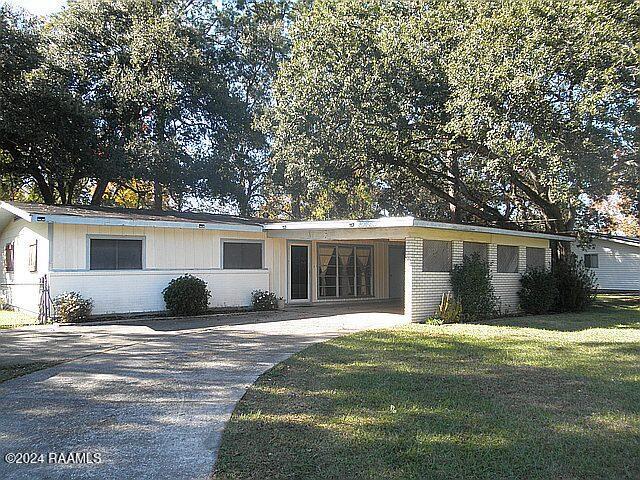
[(37, 7)]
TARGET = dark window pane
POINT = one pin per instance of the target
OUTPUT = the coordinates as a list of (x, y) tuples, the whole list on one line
[(129, 254), (245, 256), (471, 248), (364, 263), (535, 258), (9, 257), (591, 260), (507, 259), (327, 271), (299, 272), (104, 254), (115, 254), (436, 256)]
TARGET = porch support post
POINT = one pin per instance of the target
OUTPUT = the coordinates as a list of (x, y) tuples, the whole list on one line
[(412, 270)]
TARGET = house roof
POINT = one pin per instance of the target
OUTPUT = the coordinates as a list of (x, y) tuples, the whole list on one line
[(633, 241), (87, 214), (389, 222)]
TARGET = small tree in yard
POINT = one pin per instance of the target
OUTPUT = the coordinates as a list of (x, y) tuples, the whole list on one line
[(186, 295), (471, 285)]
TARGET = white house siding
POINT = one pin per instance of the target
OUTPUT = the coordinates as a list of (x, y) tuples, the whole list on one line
[(618, 264), (168, 253), (141, 291), (22, 286), (424, 290)]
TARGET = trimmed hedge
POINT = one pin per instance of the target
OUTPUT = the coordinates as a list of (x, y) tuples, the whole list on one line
[(186, 295)]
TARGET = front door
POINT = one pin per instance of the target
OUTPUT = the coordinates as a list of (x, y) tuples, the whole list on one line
[(396, 271), (299, 273)]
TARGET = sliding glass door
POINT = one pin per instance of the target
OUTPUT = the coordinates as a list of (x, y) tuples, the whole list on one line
[(345, 271)]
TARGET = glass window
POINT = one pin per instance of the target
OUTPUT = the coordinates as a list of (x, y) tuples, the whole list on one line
[(242, 255), (115, 254), (327, 272), (345, 271), (364, 270), (507, 259), (535, 258), (8, 257), (471, 248), (591, 260), (436, 256)]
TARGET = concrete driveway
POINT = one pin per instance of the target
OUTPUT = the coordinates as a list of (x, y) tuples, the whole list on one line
[(151, 398)]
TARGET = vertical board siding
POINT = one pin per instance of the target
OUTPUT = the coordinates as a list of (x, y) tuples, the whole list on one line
[(618, 264), (165, 248)]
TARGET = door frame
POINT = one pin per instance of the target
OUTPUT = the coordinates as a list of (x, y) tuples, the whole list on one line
[(301, 243)]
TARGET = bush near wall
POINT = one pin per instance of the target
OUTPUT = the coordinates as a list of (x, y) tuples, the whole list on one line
[(568, 287), (539, 291), (576, 285), (72, 307), (472, 288), (187, 295), (264, 300)]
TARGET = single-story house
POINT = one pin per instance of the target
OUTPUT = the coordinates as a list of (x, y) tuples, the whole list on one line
[(615, 260), (122, 258)]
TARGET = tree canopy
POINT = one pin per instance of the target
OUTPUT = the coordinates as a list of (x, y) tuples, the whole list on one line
[(511, 113), (515, 114)]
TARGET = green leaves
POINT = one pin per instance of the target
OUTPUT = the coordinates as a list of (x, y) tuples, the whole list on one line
[(508, 112)]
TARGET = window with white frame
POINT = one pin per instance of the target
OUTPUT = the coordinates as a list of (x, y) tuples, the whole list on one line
[(469, 249), (115, 254), (591, 260), (345, 271), (242, 255), (436, 256), (535, 258), (507, 259)]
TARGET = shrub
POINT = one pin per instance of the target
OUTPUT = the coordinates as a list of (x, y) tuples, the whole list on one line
[(449, 311), (263, 300), (576, 285), (71, 307), (539, 291), (472, 288), (186, 295)]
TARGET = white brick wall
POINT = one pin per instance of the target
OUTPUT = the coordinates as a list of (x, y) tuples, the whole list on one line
[(424, 290), (127, 291)]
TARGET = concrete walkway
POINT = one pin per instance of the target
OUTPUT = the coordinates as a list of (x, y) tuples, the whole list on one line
[(151, 398)]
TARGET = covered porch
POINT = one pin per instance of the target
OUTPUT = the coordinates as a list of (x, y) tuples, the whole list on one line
[(349, 267)]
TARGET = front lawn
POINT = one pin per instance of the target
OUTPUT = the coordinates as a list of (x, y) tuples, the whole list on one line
[(12, 319), (549, 397)]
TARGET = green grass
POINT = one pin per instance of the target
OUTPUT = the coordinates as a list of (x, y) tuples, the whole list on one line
[(546, 397), (11, 319)]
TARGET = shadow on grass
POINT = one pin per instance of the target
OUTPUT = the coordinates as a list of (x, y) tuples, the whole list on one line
[(611, 311), (373, 406)]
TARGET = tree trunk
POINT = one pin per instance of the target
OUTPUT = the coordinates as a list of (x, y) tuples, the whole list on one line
[(45, 189), (157, 195), (99, 191)]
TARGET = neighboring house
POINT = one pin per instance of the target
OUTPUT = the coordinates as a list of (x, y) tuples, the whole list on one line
[(123, 258), (615, 260)]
